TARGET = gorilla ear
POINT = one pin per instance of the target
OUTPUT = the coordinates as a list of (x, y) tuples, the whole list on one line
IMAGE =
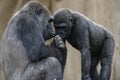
[(71, 19), (38, 11)]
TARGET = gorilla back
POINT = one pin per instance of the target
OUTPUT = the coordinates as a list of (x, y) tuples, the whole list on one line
[(25, 55), (93, 40)]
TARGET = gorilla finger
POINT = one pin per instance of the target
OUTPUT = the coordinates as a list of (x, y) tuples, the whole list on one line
[(60, 45), (57, 37), (59, 42)]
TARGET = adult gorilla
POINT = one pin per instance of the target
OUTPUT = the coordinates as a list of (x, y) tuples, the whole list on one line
[(93, 40), (25, 55)]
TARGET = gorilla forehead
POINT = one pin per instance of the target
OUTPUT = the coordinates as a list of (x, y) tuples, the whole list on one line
[(62, 14)]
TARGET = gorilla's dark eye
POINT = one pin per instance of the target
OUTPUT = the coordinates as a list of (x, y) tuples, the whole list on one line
[(38, 11), (71, 19)]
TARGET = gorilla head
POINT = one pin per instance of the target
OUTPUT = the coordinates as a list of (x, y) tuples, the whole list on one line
[(43, 16), (63, 22)]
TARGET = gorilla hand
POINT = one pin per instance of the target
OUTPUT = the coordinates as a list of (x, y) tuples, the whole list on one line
[(59, 42)]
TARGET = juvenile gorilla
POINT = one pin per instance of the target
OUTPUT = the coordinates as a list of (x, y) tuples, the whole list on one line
[(25, 55), (94, 41)]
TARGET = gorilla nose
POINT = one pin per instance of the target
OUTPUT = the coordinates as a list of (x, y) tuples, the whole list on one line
[(61, 33), (51, 19)]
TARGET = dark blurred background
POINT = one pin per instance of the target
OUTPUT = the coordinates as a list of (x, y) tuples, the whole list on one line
[(104, 12)]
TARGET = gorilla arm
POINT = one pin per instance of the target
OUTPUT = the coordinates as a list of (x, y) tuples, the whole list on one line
[(84, 46), (49, 51), (58, 42)]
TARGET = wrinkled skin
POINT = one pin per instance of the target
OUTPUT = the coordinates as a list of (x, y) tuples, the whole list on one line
[(25, 56), (95, 43)]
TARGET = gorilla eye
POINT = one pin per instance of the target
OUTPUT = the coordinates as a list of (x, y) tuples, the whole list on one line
[(71, 19), (38, 11)]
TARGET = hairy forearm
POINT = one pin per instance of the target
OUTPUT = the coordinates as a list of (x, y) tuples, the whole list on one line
[(44, 52), (86, 61), (63, 54)]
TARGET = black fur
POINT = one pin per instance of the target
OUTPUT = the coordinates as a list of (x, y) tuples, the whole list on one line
[(93, 40), (25, 55)]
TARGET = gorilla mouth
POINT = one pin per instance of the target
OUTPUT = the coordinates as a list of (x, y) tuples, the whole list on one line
[(53, 34)]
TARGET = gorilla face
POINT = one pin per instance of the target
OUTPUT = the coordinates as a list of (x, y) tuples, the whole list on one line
[(44, 18), (63, 22), (46, 22), (48, 30)]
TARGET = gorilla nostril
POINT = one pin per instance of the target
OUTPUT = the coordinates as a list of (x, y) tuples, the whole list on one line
[(61, 33)]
